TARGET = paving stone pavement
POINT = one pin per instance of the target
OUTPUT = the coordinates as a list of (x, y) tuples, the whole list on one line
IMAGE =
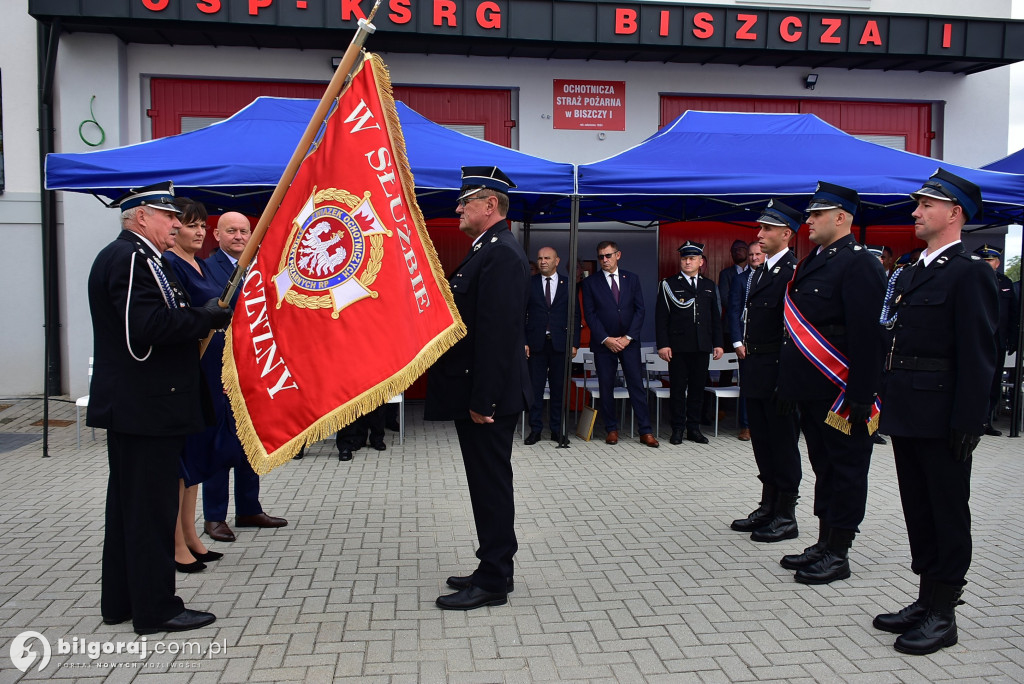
[(627, 571)]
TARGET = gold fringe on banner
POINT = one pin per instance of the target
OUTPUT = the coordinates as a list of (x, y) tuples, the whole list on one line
[(263, 462)]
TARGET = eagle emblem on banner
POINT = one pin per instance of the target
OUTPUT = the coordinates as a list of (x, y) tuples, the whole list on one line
[(333, 254)]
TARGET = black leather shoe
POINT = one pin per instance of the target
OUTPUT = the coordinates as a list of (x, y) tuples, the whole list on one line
[(938, 627), (466, 581), (910, 617), (194, 566), (695, 435), (183, 621), (810, 555), (116, 621), (877, 439), (532, 438), (556, 436), (676, 438), (206, 557), (345, 455), (830, 567), (991, 431), (470, 598), (378, 444)]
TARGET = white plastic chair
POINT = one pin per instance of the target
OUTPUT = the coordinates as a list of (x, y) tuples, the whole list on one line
[(83, 403), (728, 361), (656, 366)]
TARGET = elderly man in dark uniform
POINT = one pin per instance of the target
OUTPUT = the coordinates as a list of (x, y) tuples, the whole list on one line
[(483, 382), (941, 314), (1006, 331), (688, 330), (547, 335), (830, 365), (148, 394), (613, 306), (774, 437)]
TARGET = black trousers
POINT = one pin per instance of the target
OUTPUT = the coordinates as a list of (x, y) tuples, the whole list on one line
[(353, 436), (687, 372), (840, 463), (546, 365), (487, 455), (774, 439), (138, 540), (997, 386), (935, 491)]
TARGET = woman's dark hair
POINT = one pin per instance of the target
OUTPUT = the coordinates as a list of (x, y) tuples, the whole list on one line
[(191, 210)]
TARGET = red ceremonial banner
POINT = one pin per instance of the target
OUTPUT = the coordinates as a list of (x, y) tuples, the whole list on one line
[(346, 303)]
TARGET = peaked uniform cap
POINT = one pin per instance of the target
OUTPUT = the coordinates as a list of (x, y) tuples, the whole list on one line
[(777, 213), (476, 178), (943, 185), (157, 196), (989, 252), (689, 248), (874, 249), (832, 196)]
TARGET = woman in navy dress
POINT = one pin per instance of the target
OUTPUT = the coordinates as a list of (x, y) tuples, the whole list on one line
[(200, 459)]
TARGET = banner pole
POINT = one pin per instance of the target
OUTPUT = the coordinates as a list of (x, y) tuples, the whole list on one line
[(341, 78)]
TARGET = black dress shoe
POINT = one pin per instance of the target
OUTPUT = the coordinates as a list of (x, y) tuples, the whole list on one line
[(556, 436), (206, 557), (676, 438), (466, 581), (695, 435), (116, 621), (830, 567), (877, 439), (194, 566), (185, 620), (393, 426), (378, 444), (991, 431), (532, 438), (345, 455), (470, 598), (298, 456)]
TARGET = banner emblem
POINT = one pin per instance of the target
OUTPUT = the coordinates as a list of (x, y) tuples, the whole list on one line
[(326, 250)]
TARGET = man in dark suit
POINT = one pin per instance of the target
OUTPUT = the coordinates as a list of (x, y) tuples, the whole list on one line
[(832, 323), (733, 328), (613, 305), (774, 437), (147, 392), (547, 315), (941, 315), (232, 233), (1006, 332), (740, 254), (687, 329), (482, 382)]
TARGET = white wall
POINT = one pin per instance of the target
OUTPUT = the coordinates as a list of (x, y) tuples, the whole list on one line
[(21, 260)]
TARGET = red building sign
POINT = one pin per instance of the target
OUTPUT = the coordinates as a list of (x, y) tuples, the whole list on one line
[(582, 105)]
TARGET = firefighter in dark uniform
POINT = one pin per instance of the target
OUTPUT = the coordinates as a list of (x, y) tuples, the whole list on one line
[(482, 382), (773, 437), (830, 366), (1006, 333), (941, 314), (687, 328)]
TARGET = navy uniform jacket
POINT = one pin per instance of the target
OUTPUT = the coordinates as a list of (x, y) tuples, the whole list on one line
[(486, 370), (840, 293), (764, 329), (541, 319), (949, 313), (607, 318), (693, 328), (1009, 313), (160, 393)]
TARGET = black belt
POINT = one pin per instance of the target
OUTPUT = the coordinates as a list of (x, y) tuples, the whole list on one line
[(824, 330), (769, 348), (918, 363)]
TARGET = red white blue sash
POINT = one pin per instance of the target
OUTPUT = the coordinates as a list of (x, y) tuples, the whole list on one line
[(830, 361)]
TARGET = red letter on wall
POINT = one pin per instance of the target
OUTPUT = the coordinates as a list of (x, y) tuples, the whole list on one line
[(625, 21), (786, 31), (488, 15), (208, 6), (947, 35), (350, 9), (256, 5), (663, 23), (703, 25), (155, 5), (444, 10), (400, 13), (871, 34), (831, 26), (744, 32)]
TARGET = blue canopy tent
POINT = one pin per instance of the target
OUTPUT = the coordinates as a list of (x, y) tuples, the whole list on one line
[(723, 166), (1013, 163), (236, 163)]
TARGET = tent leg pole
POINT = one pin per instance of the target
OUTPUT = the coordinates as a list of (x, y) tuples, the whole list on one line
[(574, 231)]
